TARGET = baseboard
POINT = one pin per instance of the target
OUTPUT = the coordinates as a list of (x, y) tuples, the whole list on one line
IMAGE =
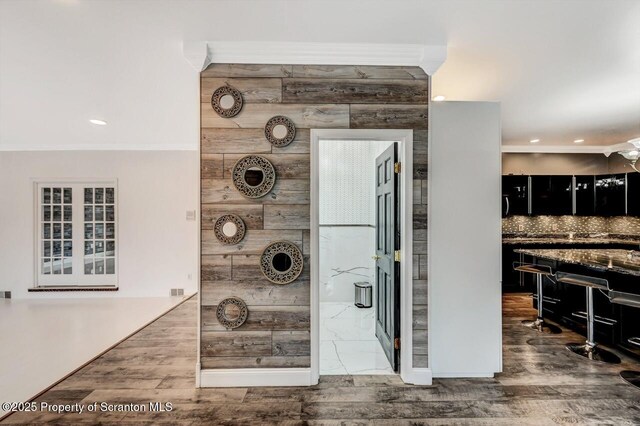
[(418, 376), (241, 377), (457, 375)]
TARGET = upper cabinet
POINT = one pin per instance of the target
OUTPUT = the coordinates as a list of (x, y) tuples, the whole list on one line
[(633, 194), (585, 195), (611, 195), (552, 195), (515, 195)]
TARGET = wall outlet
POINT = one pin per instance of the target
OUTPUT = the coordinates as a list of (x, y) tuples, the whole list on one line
[(177, 291), (520, 228), (189, 277), (5, 295), (554, 227), (191, 215)]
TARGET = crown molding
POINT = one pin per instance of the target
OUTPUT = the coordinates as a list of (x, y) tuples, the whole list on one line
[(200, 54), (558, 149), (97, 147)]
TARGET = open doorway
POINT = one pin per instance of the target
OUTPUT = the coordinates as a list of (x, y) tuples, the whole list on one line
[(359, 279)]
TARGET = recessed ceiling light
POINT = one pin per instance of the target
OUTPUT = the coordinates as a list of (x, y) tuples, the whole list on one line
[(578, 141), (534, 140), (98, 122), (439, 98)]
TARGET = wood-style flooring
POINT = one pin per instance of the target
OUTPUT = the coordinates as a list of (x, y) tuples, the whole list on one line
[(542, 384)]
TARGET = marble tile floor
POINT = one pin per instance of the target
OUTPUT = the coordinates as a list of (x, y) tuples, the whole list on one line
[(348, 344)]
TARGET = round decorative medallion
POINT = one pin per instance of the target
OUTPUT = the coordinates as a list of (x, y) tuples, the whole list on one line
[(232, 312), (281, 262), (229, 229), (226, 101), (280, 131), (254, 176)]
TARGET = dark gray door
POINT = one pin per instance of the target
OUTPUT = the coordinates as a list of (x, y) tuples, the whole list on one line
[(387, 269)]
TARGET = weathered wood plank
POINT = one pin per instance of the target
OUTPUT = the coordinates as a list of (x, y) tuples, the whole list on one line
[(417, 192), (254, 241), (388, 116), (419, 317), (215, 268), (420, 342), (235, 343), (256, 362), (358, 71), (257, 293), (306, 242), (249, 141), (419, 247), (420, 290), (285, 191), (358, 91), (211, 166), (246, 70), (253, 90), (287, 166), (247, 268), (262, 318), (291, 343), (255, 116), (287, 216), (425, 189), (420, 235), (251, 214), (228, 141), (415, 267), (423, 266), (420, 216)]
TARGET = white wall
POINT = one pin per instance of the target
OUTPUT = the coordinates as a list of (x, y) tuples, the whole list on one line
[(347, 216), (158, 247), (465, 324)]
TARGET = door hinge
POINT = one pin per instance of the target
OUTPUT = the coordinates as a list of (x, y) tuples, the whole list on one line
[(396, 255), (397, 167), (396, 343)]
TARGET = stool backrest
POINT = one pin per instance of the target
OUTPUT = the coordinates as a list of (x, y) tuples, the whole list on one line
[(582, 280), (628, 299), (532, 268)]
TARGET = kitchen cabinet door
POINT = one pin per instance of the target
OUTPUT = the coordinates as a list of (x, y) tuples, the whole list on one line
[(611, 195), (515, 195), (633, 194), (551, 195), (585, 195)]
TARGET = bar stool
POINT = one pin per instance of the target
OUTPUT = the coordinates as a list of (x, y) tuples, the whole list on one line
[(632, 300), (589, 349), (539, 324)]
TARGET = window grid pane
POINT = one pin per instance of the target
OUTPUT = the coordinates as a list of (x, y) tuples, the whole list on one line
[(99, 231), (57, 231)]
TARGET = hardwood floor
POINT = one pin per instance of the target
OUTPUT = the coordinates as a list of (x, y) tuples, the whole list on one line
[(542, 384)]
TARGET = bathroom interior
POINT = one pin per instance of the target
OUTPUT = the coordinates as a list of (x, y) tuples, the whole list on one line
[(348, 344)]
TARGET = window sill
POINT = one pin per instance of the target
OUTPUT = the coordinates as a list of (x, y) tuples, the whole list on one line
[(69, 288)]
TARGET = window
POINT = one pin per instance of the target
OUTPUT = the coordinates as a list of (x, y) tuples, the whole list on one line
[(76, 229)]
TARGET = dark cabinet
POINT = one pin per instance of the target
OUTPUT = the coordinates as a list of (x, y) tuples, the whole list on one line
[(515, 195), (551, 195), (611, 195), (633, 194), (585, 195)]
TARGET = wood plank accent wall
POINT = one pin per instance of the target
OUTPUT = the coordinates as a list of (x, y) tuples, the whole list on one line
[(276, 333)]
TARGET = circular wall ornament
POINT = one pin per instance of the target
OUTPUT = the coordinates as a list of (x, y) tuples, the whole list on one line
[(232, 312), (281, 262), (229, 229), (226, 101), (254, 176), (280, 131)]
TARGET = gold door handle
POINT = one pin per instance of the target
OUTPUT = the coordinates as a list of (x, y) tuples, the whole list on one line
[(375, 257)]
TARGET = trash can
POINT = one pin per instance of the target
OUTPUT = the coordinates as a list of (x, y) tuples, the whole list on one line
[(363, 294)]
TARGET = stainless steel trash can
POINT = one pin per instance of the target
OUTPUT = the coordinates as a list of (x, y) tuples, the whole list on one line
[(363, 294)]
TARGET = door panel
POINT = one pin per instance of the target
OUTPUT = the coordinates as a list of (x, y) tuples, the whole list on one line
[(387, 269)]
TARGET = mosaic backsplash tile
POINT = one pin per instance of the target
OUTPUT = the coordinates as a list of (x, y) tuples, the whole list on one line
[(550, 225)]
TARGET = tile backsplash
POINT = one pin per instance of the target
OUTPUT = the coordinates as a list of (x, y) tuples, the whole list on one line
[(622, 225)]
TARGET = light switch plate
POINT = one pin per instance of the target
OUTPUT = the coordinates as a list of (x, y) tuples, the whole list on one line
[(191, 215)]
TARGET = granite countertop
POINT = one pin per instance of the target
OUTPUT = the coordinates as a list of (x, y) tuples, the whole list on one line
[(621, 261), (570, 239)]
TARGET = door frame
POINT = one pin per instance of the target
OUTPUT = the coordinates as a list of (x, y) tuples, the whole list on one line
[(404, 137)]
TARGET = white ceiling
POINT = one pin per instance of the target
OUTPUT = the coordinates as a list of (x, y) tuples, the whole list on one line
[(562, 69)]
